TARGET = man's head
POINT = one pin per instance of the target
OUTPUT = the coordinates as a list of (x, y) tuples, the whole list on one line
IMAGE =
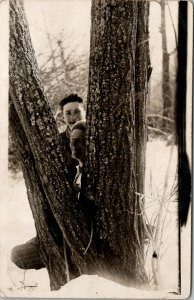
[(72, 109), (77, 140)]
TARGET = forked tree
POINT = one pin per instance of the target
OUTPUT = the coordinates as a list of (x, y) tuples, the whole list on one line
[(115, 147)]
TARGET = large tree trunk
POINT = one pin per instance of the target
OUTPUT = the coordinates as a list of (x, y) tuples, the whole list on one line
[(115, 147), (116, 135), (49, 234), (45, 170)]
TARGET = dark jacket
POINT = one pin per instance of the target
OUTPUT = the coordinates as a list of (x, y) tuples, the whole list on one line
[(72, 163), (86, 200), (65, 137)]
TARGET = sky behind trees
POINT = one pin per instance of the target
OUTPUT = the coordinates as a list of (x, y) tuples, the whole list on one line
[(71, 20), (62, 18)]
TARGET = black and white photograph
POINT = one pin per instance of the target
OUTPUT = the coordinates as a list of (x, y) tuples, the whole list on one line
[(96, 143)]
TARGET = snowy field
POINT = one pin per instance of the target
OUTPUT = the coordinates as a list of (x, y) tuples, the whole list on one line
[(17, 227)]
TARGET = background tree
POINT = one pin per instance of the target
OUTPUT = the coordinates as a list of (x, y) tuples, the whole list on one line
[(166, 88), (64, 72), (115, 147), (161, 108)]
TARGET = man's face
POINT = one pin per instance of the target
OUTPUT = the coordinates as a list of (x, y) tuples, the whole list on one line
[(73, 112), (77, 144)]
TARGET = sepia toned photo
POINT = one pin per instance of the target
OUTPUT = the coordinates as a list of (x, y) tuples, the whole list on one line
[(96, 149)]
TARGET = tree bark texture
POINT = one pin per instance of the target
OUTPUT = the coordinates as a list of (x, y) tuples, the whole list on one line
[(49, 235), (116, 132), (142, 74), (46, 178)]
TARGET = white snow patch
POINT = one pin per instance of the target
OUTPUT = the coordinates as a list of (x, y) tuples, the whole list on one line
[(17, 226)]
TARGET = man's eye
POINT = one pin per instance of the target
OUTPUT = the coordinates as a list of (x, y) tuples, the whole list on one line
[(77, 111), (77, 140), (67, 113)]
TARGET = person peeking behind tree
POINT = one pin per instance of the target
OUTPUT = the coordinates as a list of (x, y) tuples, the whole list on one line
[(72, 109), (27, 256), (77, 145)]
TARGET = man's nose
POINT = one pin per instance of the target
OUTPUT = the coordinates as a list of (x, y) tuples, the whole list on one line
[(72, 119), (73, 143)]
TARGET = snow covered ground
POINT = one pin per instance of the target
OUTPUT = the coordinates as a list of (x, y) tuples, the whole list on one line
[(17, 227)]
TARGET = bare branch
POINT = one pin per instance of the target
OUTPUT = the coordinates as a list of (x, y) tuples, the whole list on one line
[(176, 40), (158, 130), (160, 116)]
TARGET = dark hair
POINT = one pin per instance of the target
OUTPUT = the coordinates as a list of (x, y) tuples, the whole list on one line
[(70, 98), (79, 125)]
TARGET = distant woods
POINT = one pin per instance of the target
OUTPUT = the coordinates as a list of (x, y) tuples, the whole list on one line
[(64, 72)]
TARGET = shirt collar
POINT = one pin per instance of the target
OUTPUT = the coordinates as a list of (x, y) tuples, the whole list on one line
[(79, 166)]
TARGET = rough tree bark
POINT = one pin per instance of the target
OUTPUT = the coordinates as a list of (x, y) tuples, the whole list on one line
[(116, 135), (45, 169), (115, 145), (49, 234)]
